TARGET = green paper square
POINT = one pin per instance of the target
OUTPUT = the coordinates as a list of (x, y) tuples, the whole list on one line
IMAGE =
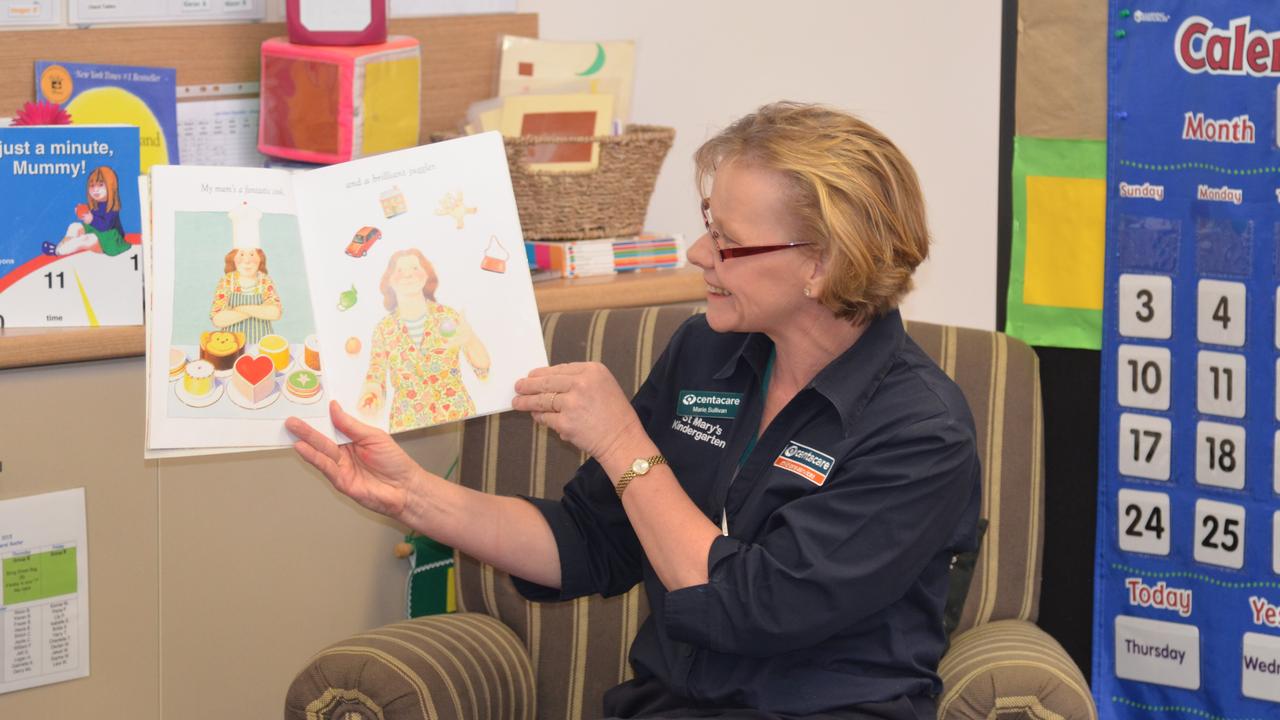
[(1039, 324)]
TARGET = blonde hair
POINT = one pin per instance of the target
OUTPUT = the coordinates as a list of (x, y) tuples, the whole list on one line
[(852, 193)]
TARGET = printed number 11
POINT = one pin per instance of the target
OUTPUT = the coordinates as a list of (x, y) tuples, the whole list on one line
[(61, 279)]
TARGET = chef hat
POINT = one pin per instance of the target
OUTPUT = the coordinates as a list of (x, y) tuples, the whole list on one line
[(245, 227)]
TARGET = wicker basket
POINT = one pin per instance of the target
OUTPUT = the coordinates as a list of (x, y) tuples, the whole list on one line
[(606, 202)]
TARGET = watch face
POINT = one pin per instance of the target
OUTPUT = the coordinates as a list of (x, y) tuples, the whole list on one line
[(640, 466)]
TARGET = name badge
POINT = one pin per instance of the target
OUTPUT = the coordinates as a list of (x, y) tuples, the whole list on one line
[(812, 465), (707, 404)]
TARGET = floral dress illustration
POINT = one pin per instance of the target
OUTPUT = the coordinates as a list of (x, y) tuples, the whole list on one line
[(425, 375)]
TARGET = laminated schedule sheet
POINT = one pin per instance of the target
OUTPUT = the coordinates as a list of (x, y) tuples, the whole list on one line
[(44, 590)]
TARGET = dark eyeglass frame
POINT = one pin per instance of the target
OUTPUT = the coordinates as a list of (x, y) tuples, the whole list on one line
[(741, 251)]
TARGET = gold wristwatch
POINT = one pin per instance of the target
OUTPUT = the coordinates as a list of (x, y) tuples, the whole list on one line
[(639, 467)]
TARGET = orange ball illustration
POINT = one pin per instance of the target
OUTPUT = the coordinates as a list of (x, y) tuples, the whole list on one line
[(353, 345)]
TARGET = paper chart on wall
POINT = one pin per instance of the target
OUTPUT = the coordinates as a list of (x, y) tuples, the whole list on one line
[(422, 8), (219, 132), (44, 598), (84, 12)]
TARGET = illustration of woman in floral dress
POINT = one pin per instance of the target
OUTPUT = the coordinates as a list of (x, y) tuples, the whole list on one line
[(417, 348)]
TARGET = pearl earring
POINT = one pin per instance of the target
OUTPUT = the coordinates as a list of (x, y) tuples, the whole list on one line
[(807, 291)]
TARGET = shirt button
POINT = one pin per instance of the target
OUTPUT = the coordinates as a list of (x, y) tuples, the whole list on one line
[(686, 651)]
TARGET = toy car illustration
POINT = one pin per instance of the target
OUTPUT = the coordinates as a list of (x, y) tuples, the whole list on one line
[(364, 239)]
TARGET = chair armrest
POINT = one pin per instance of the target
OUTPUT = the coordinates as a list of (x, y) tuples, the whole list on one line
[(466, 666), (1011, 668)]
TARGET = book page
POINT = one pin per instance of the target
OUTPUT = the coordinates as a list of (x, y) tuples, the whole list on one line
[(232, 348), (420, 283)]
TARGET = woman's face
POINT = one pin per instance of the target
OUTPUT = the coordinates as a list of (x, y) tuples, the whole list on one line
[(408, 275), (247, 262), (98, 190), (753, 293)]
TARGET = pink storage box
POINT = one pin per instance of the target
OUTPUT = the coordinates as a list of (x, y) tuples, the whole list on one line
[(328, 104)]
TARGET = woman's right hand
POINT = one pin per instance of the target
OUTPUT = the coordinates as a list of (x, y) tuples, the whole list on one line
[(372, 469)]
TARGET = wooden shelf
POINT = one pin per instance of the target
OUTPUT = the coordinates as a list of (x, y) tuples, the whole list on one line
[(24, 347)]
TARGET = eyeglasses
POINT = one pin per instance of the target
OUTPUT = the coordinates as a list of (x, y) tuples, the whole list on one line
[(742, 250)]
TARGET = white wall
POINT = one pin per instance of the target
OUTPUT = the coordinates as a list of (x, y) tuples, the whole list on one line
[(925, 73)]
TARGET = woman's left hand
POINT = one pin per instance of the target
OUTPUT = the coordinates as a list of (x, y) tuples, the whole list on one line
[(583, 403)]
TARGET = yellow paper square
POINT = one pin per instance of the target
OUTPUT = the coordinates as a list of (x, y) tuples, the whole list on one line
[(391, 108), (1066, 228)]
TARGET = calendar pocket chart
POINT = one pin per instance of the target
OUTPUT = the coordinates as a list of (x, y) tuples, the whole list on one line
[(1187, 584)]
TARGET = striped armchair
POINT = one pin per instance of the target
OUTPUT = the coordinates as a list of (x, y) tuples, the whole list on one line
[(503, 658)]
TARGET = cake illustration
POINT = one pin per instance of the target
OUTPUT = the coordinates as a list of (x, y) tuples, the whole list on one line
[(302, 384), (311, 353), (276, 348), (198, 379), (254, 378), (177, 363), (221, 348)]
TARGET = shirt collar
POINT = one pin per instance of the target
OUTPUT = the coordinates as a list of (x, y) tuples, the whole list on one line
[(846, 382)]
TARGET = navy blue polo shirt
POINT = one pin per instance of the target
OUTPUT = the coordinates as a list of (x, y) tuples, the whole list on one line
[(828, 591)]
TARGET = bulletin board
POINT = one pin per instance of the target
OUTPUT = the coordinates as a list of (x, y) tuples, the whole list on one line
[(1187, 584), (459, 56)]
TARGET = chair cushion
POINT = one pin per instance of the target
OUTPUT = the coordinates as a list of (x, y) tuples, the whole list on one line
[(1011, 669), (466, 666)]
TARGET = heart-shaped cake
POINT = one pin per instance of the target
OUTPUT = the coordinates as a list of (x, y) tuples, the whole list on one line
[(255, 377)]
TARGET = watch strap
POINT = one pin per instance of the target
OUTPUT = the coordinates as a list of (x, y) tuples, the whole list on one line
[(630, 474)]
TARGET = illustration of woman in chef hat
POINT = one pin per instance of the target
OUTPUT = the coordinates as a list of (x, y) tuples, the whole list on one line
[(246, 299)]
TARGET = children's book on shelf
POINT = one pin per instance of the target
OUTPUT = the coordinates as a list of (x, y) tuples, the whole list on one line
[(71, 254), (94, 93), (394, 284)]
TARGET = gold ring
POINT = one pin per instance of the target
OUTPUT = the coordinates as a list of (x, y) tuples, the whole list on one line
[(553, 402)]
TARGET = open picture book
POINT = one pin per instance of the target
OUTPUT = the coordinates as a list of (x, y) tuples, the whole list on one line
[(396, 284)]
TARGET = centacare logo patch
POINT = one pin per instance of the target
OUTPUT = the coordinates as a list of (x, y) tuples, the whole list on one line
[(812, 465), (704, 403)]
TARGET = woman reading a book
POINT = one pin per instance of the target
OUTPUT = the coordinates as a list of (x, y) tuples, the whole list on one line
[(417, 347), (800, 568)]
